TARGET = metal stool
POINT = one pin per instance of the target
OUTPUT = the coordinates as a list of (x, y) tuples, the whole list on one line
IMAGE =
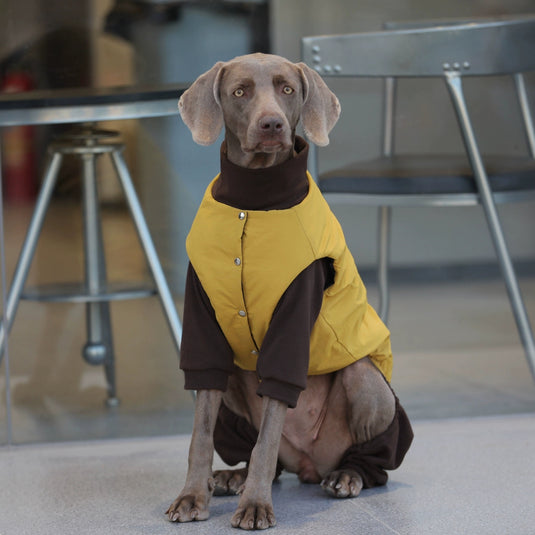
[(89, 143)]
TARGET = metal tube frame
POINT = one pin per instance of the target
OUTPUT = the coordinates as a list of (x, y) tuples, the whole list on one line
[(313, 161), (454, 84), (164, 293), (11, 303), (385, 212), (28, 247), (3, 287), (99, 347), (525, 110), (383, 260)]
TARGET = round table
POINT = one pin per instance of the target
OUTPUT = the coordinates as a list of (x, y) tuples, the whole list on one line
[(88, 104)]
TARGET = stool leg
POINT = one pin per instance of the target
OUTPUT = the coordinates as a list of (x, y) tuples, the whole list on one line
[(148, 248), (99, 347), (28, 247)]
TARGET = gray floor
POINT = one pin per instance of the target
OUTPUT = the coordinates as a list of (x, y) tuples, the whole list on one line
[(462, 476), (78, 467)]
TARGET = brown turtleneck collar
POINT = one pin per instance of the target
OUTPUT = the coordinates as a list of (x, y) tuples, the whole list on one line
[(272, 188)]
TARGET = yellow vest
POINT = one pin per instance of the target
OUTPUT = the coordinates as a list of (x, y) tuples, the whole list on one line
[(246, 259)]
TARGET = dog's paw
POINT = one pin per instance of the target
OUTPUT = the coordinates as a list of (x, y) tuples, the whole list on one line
[(342, 484), (189, 507), (253, 515), (229, 482)]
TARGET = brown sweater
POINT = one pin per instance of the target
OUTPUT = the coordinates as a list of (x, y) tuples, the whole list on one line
[(206, 357)]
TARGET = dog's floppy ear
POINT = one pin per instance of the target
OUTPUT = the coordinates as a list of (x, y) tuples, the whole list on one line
[(200, 108), (321, 108)]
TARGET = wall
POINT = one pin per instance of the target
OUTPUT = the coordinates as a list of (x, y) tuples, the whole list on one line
[(420, 236)]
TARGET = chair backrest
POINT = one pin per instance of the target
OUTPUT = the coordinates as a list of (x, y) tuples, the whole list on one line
[(450, 51), (473, 49)]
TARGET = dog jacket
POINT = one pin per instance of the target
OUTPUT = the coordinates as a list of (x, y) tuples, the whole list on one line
[(246, 259)]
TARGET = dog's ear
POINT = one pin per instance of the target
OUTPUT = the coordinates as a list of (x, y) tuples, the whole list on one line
[(200, 108), (321, 108)]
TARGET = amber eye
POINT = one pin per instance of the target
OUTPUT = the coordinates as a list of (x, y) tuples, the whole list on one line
[(239, 92), (288, 90)]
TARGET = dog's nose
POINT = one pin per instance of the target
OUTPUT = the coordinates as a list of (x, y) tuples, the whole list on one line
[(271, 124)]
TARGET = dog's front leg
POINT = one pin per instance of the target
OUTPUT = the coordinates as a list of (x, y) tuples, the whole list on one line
[(255, 508), (192, 503)]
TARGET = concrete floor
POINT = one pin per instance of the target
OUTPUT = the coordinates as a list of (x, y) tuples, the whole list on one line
[(78, 467), (462, 476)]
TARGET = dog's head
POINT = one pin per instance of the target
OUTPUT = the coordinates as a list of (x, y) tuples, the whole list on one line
[(259, 98)]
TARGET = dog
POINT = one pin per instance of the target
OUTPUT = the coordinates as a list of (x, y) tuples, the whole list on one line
[(290, 363)]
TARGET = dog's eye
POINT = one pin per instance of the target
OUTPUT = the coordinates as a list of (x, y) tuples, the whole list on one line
[(239, 92), (287, 90)]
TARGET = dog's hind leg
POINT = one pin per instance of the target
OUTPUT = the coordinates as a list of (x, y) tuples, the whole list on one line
[(372, 407), (371, 400), (229, 482)]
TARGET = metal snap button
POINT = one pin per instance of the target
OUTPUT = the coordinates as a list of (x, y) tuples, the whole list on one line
[(241, 215), (237, 261), (242, 313)]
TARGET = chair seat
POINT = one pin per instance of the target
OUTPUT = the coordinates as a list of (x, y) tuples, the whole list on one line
[(428, 175)]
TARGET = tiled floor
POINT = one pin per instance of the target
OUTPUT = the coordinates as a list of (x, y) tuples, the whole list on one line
[(459, 371)]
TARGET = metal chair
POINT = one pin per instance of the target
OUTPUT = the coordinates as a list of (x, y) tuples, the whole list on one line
[(451, 53), (89, 143)]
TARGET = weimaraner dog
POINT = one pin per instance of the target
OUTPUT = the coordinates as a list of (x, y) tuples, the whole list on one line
[(344, 421)]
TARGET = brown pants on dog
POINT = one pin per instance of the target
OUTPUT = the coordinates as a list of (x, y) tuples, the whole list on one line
[(235, 438)]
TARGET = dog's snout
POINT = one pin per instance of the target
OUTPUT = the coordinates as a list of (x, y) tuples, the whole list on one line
[(271, 124)]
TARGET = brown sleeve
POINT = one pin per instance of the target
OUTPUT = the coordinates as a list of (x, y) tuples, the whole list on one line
[(283, 360), (205, 355), (207, 359)]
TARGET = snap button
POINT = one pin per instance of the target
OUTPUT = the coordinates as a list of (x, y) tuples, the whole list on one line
[(242, 215), (237, 261), (242, 313), (254, 352)]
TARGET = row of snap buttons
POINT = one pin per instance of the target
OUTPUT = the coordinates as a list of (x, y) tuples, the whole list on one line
[(237, 261)]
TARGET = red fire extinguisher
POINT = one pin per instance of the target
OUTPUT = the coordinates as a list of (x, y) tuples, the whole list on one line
[(19, 169)]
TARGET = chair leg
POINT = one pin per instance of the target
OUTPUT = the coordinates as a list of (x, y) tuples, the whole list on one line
[(453, 81), (148, 248), (28, 247), (313, 161), (383, 261), (523, 100), (99, 347)]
